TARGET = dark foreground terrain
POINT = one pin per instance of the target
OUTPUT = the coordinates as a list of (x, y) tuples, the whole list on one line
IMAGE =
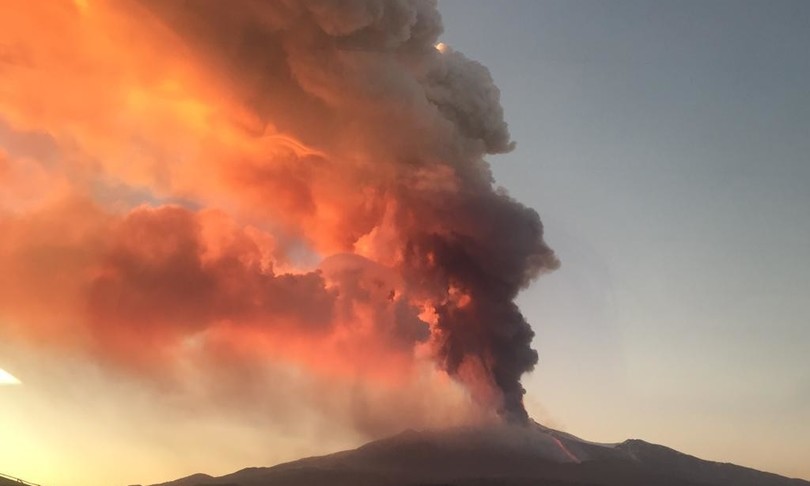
[(498, 456), (12, 481)]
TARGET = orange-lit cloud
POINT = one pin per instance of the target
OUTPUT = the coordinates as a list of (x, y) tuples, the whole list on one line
[(297, 183)]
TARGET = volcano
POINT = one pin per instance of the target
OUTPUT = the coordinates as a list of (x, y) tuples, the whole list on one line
[(502, 455)]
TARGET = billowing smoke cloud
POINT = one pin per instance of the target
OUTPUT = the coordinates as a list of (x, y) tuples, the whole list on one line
[(304, 180)]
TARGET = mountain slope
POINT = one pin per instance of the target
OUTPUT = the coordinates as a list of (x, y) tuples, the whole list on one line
[(498, 456)]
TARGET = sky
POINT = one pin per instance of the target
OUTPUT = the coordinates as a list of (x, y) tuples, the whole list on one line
[(664, 146)]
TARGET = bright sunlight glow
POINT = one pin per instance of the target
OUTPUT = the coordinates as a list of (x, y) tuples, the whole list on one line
[(7, 378)]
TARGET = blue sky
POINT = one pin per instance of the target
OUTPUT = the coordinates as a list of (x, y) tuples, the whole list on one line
[(665, 145)]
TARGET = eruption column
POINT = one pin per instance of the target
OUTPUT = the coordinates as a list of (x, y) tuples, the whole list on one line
[(222, 141)]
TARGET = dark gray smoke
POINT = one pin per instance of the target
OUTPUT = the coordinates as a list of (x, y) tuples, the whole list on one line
[(407, 125)]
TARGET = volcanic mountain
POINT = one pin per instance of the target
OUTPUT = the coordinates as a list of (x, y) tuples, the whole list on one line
[(503, 455)]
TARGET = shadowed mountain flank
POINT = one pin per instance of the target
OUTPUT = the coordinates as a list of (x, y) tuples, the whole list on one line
[(498, 456)]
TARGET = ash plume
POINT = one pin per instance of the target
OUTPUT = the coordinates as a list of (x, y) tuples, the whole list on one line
[(233, 136)]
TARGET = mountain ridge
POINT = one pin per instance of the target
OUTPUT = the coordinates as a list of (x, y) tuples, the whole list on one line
[(502, 455)]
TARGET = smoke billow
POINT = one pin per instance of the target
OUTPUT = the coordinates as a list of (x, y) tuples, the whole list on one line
[(304, 180)]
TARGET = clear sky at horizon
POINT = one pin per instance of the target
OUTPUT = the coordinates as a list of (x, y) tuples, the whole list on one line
[(666, 147)]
